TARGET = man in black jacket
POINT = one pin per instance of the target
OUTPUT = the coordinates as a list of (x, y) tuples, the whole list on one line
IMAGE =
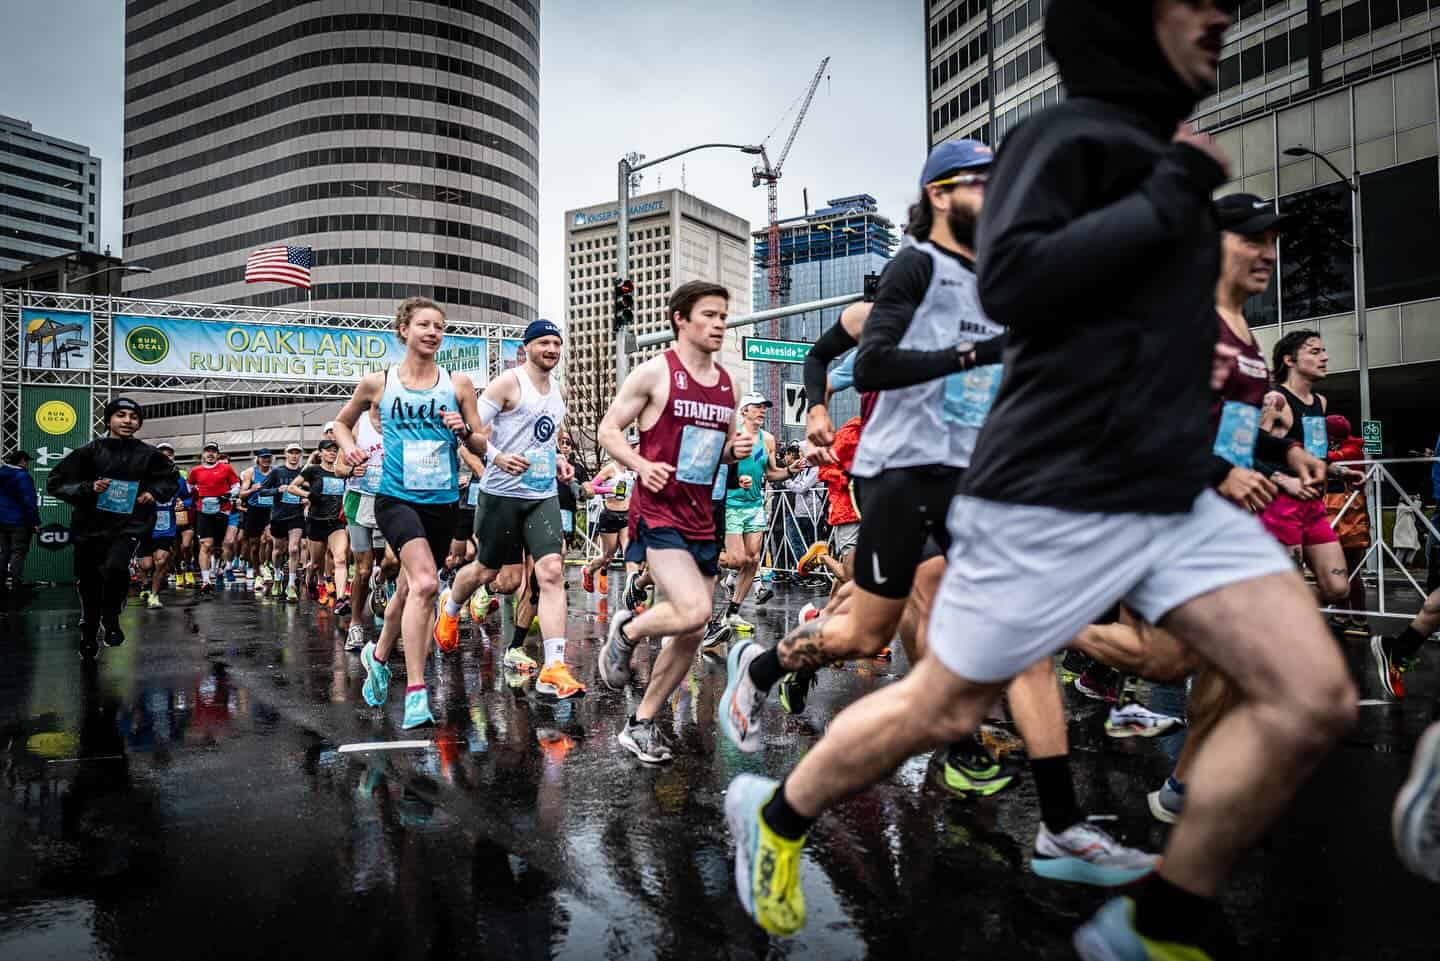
[(113, 483)]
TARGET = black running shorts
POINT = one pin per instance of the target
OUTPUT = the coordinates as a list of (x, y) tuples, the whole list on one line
[(319, 529), (899, 511), (212, 527), (507, 528), (255, 521), (612, 522), (402, 522), (280, 527)]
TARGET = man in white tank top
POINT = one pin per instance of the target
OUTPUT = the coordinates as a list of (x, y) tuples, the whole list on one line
[(517, 512)]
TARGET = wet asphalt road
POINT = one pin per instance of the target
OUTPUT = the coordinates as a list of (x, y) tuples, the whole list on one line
[(186, 797)]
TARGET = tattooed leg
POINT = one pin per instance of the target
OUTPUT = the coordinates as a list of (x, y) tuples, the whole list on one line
[(866, 627)]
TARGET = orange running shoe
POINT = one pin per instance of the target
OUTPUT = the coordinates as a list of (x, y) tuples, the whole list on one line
[(556, 681), (447, 626), (884, 655), (816, 549), (587, 580)]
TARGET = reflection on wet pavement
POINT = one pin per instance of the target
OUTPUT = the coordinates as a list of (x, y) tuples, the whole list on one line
[(187, 796)]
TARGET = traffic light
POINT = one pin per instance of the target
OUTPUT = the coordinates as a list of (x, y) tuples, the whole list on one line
[(624, 302)]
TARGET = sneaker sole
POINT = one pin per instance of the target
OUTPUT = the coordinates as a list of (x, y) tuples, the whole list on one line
[(409, 725), (1420, 792), (987, 788), (1128, 731), (1377, 656), (741, 809), (629, 744), (618, 681), (1078, 871), (551, 691), (727, 699), (1159, 811)]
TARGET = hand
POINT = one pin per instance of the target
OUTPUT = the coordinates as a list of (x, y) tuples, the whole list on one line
[(1221, 364), (1293, 487), (655, 476), (1248, 489), (819, 429), (145, 498), (564, 470), (355, 457), (1204, 143), (746, 482), (511, 463), (743, 445), (101, 485), (1310, 469), (359, 470), (455, 422)]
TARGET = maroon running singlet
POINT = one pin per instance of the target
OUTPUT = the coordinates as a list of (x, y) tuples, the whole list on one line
[(690, 433)]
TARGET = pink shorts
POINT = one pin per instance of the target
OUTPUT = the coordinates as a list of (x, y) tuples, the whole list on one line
[(1297, 523)]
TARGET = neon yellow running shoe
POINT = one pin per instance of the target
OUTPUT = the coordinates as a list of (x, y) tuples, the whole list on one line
[(767, 866)]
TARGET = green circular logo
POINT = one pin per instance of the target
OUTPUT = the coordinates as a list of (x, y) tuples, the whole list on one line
[(147, 345)]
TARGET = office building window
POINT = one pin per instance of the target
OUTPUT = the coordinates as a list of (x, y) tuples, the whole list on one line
[(1402, 232), (1317, 274)]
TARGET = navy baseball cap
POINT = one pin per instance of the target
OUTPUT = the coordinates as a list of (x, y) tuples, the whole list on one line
[(953, 155), (264, 452), (541, 328)]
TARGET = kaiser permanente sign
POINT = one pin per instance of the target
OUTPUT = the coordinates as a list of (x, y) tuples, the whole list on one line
[(201, 348), (583, 219)]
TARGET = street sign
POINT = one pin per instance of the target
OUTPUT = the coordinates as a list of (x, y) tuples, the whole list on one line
[(1370, 430), (774, 351), (794, 406)]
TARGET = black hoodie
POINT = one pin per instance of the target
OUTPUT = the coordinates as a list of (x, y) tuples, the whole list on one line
[(73, 481), (1100, 251)]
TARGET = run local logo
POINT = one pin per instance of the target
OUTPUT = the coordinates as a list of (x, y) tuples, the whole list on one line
[(56, 418), (147, 345)]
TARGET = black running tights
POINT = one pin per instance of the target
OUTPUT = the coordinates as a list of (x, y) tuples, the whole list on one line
[(102, 576)]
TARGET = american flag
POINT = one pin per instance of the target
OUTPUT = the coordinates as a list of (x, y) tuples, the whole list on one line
[(281, 265)]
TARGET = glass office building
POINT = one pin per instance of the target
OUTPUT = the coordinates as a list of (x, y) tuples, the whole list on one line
[(49, 196), (822, 255), (398, 138)]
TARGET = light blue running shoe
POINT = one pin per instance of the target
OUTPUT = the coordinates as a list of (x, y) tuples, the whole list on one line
[(1111, 936), (417, 710), (376, 688)]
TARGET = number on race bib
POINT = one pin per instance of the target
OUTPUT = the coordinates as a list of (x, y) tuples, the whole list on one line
[(426, 466), (209, 505), (119, 497), (1317, 440), (700, 450), (969, 396), (540, 475), (1235, 440)]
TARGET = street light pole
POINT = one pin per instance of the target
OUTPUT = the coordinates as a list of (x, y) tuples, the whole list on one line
[(66, 280)]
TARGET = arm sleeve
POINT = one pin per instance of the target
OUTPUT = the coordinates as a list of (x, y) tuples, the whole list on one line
[(1272, 449), (73, 477), (881, 363), (1046, 245), (831, 344)]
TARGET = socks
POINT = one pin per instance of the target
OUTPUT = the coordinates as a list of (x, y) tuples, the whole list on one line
[(518, 640), (452, 609), (732, 608), (554, 650), (205, 576), (782, 818), (1164, 912), (766, 670), (412, 688), (1407, 644), (1058, 808)]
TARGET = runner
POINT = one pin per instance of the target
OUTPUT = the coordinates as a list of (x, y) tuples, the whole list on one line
[(518, 511), (287, 523), (324, 485), (615, 484), (365, 536), (113, 483), (233, 535), (425, 413), (211, 481), (1100, 253), (684, 406), (745, 518), (255, 530), (157, 547)]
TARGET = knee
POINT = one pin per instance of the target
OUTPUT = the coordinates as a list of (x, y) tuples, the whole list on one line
[(955, 722), (1316, 712), (549, 573), (424, 586), (695, 612)]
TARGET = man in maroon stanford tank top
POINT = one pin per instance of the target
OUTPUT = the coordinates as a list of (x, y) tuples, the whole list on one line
[(684, 405)]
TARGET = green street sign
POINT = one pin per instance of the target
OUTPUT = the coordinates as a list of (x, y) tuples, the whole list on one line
[(774, 351), (1370, 430)]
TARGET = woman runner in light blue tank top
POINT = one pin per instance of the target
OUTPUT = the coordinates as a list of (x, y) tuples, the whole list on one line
[(425, 413)]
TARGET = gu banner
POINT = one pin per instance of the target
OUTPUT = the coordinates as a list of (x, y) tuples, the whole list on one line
[(53, 422)]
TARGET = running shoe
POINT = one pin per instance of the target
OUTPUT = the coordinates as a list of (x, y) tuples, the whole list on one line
[(1099, 683), (717, 635), (1415, 822), (376, 688), (1133, 720), (229, 575), (884, 654), (633, 598), (1084, 854), (1391, 674), (587, 581), (206, 587), (767, 866), (322, 594), (417, 710), (808, 613), (970, 770), (1167, 803), (811, 556), (261, 585), (292, 596), (189, 578), (615, 653), (556, 681), (604, 581), (479, 605), (1111, 936), (153, 602), (794, 688), (738, 623), (342, 606), (644, 740), (114, 637), (742, 701), (517, 660), (447, 625), (1073, 663), (764, 596), (355, 638)]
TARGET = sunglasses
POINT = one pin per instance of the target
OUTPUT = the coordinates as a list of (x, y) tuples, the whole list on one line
[(961, 180)]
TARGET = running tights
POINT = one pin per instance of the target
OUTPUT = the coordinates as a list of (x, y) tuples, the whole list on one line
[(102, 576)]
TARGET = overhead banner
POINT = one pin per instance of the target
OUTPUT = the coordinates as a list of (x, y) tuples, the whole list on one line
[(56, 339), (512, 353), (53, 422), (298, 352)]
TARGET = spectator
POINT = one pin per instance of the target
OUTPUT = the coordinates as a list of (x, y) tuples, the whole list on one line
[(1353, 526), (19, 517), (1406, 536)]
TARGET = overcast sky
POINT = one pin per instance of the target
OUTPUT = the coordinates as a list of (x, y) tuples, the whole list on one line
[(615, 76)]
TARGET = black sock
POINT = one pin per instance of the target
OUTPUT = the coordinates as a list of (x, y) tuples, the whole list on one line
[(1058, 808), (1164, 912), (732, 608), (766, 670), (1407, 644), (518, 639), (783, 819)]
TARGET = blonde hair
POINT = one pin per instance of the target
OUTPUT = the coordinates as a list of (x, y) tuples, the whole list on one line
[(409, 307)]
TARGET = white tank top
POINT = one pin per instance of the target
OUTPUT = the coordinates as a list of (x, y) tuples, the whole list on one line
[(531, 429), (368, 439)]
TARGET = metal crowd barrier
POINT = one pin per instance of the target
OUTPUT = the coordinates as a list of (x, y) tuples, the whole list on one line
[(1377, 475)]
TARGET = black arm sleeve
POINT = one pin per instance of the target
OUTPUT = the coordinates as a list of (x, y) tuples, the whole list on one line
[(1272, 449), (881, 363), (833, 343)]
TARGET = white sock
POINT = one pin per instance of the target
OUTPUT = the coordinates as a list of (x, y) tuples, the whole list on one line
[(205, 576), (554, 651), (452, 609)]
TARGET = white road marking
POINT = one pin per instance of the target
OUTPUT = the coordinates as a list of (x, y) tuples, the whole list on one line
[(383, 746)]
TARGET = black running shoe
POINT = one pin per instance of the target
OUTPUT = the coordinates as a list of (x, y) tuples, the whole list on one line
[(114, 637), (794, 688), (1073, 664), (717, 635), (765, 596)]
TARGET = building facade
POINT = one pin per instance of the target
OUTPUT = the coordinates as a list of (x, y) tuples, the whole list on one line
[(822, 254), (675, 237), (49, 196), (398, 138)]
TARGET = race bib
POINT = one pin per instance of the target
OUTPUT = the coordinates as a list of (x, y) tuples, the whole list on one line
[(209, 505), (119, 497), (722, 480), (289, 498), (164, 523), (567, 521), (426, 466), (472, 499), (700, 450), (968, 396), (1317, 441), (370, 481), (332, 486), (1235, 440), (182, 517), (264, 500), (540, 475)]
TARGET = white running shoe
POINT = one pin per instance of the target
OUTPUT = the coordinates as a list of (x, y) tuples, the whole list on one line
[(1084, 854), (1133, 720)]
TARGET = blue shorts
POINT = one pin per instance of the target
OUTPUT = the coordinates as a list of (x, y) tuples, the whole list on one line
[(647, 538)]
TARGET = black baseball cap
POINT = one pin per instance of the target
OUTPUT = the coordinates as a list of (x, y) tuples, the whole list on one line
[(211, 446), (328, 444), (1248, 214)]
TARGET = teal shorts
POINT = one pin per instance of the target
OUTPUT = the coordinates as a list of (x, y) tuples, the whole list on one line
[(746, 520)]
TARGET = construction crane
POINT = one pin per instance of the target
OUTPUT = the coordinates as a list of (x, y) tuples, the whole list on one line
[(770, 176)]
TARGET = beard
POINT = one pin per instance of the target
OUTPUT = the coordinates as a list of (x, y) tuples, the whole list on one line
[(962, 225)]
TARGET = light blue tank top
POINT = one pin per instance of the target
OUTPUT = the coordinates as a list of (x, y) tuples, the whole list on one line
[(420, 463)]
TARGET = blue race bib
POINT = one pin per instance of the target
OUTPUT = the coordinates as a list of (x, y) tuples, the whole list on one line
[(119, 497), (842, 376), (209, 505), (370, 482), (472, 499), (567, 521), (968, 396), (426, 468), (164, 523), (289, 498), (700, 450), (1235, 440), (263, 500), (722, 480), (332, 486), (540, 475), (1317, 441)]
